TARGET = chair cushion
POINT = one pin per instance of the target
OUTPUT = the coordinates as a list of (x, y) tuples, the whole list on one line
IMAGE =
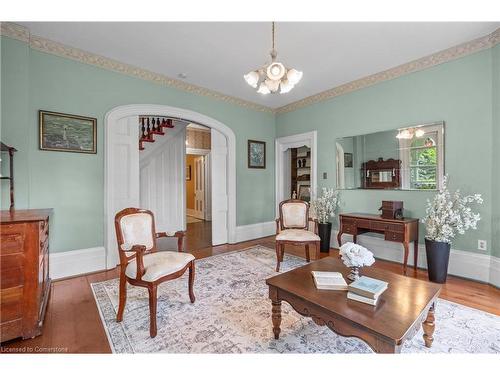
[(297, 235), (294, 215), (159, 264)]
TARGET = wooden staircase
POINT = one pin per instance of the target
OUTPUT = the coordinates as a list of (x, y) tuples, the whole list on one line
[(149, 126)]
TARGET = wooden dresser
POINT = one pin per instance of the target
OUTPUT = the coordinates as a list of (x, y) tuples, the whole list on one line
[(403, 231), (24, 268)]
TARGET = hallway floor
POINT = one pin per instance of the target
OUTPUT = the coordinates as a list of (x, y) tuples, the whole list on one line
[(198, 235)]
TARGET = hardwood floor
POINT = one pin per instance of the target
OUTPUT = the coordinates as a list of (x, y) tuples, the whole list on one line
[(72, 323)]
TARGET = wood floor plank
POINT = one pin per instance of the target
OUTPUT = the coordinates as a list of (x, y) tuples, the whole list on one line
[(73, 325)]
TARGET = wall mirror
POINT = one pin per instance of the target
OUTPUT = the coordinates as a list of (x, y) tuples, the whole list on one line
[(410, 158)]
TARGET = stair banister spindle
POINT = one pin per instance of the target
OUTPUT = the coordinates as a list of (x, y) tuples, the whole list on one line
[(143, 129), (149, 130)]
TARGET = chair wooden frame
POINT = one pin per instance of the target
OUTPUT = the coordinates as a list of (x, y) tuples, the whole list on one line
[(280, 244), (139, 252)]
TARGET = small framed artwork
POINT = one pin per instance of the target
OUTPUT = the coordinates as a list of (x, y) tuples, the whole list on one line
[(305, 192), (65, 132), (256, 154), (188, 172), (347, 160)]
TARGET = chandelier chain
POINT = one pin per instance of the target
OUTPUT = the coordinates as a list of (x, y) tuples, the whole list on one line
[(273, 36)]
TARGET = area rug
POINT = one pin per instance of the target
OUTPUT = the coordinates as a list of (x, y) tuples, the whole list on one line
[(232, 314)]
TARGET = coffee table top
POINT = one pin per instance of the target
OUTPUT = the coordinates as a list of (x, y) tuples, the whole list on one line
[(398, 308)]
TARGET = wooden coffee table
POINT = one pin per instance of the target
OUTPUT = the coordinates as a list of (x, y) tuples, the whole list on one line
[(401, 309)]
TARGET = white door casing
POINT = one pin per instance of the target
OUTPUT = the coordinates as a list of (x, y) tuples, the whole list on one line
[(219, 155), (121, 166), (282, 161), (199, 187)]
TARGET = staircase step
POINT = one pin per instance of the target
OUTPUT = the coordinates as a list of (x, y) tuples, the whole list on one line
[(159, 132)]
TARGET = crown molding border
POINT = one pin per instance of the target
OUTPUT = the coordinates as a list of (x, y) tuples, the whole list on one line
[(429, 61), (15, 31), (41, 44)]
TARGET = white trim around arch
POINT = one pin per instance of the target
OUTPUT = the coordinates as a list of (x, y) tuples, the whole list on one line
[(121, 112), (308, 139)]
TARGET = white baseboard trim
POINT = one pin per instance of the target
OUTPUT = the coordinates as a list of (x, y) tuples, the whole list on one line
[(253, 231), (76, 262), (480, 267)]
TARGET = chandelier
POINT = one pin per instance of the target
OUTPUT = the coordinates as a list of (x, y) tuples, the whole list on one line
[(274, 76)]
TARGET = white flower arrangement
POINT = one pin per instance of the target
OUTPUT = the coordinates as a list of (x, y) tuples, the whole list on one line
[(324, 207), (449, 214), (354, 255)]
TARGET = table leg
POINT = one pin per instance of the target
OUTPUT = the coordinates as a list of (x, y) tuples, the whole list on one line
[(276, 316), (415, 254), (407, 250), (339, 238), (429, 326)]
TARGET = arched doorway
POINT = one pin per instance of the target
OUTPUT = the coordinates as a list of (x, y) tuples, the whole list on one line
[(121, 168)]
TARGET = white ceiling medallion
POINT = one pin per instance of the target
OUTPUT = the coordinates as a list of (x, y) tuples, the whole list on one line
[(274, 76)]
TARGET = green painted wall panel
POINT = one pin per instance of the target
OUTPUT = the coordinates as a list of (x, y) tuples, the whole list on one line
[(458, 92), (73, 183), (495, 171)]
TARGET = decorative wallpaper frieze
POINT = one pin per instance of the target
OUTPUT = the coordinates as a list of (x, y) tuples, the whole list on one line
[(21, 33)]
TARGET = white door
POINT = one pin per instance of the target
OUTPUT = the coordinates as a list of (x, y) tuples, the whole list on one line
[(122, 176), (219, 187), (199, 187)]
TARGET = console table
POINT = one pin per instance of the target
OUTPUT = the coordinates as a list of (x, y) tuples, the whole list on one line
[(403, 231)]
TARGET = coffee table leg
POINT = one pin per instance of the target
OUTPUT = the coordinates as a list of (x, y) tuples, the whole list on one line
[(276, 316), (429, 327)]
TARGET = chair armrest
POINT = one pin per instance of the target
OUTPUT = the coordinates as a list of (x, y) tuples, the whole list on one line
[(139, 251), (315, 221), (179, 234)]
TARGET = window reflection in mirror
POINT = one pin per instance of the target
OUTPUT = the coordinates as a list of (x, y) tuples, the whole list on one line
[(410, 158)]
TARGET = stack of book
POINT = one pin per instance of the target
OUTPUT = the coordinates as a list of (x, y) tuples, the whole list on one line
[(366, 290), (329, 280)]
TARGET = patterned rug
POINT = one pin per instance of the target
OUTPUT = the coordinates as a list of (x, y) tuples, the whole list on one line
[(232, 314)]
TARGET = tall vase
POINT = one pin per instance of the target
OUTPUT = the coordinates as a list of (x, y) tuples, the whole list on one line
[(325, 231), (438, 256)]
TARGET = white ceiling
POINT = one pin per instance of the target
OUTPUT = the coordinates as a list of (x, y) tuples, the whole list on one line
[(215, 55)]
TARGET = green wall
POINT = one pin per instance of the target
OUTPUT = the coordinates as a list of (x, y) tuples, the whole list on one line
[(458, 92), (464, 93), (73, 183)]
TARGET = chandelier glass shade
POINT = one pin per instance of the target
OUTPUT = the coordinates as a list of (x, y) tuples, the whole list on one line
[(273, 77)]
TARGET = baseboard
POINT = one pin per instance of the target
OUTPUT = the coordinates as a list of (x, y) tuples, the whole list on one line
[(480, 267), (495, 271), (76, 262), (253, 231)]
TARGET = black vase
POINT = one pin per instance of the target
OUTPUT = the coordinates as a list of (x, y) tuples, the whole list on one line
[(438, 256), (325, 231)]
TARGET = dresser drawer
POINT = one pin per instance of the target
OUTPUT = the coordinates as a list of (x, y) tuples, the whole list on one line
[(11, 270), (12, 243), (11, 303), (394, 236)]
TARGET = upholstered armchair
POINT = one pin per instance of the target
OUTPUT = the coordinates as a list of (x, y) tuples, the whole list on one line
[(293, 227), (140, 262)]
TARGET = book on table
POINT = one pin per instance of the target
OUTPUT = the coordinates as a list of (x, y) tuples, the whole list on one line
[(357, 297), (329, 280), (368, 287)]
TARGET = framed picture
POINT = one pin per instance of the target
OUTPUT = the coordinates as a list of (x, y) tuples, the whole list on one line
[(305, 192), (256, 154), (64, 132), (188, 172), (347, 160)]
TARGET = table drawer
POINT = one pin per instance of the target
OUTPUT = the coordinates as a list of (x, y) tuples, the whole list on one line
[(380, 225), (12, 243), (348, 228), (394, 236)]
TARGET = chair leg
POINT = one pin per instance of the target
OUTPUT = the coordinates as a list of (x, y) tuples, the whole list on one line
[(191, 282), (282, 254), (308, 259), (278, 256), (152, 309), (123, 297)]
